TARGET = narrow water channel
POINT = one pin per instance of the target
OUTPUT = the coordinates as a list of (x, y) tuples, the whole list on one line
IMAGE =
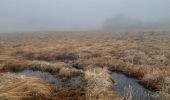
[(130, 88), (73, 82), (125, 86)]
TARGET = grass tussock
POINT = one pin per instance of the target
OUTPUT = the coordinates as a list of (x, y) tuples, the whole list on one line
[(165, 92), (99, 84), (45, 66), (13, 65), (59, 69), (24, 89), (69, 94)]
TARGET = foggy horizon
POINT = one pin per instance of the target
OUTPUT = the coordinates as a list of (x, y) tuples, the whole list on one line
[(79, 15)]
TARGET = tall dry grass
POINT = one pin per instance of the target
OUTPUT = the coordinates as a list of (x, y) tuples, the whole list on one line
[(142, 55), (24, 89), (99, 84)]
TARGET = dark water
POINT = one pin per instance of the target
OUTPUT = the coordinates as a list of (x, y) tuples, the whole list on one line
[(126, 87), (73, 82)]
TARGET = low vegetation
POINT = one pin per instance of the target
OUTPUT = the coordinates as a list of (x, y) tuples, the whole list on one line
[(144, 56)]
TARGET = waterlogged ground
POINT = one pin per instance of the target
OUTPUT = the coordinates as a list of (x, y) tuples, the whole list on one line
[(74, 82), (125, 86), (130, 88), (81, 63)]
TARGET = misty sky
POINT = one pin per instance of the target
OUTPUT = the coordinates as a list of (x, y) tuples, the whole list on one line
[(40, 15)]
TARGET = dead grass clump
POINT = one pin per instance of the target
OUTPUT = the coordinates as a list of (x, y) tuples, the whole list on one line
[(135, 57), (136, 71), (165, 92), (94, 74), (161, 60), (45, 66), (7, 77), (75, 64), (69, 94), (25, 89), (153, 80), (99, 84), (59, 68), (14, 66), (66, 72)]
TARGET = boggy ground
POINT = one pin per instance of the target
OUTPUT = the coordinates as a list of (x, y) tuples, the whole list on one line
[(91, 55)]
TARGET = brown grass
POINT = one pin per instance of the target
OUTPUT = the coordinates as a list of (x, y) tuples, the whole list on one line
[(24, 89), (69, 94), (99, 84), (13, 65), (142, 55)]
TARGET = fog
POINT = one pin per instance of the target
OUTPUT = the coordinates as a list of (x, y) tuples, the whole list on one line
[(77, 15)]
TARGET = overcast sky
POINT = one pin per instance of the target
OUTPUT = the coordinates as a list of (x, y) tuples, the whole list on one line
[(40, 15)]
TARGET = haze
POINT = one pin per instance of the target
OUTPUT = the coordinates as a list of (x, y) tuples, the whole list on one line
[(77, 15)]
